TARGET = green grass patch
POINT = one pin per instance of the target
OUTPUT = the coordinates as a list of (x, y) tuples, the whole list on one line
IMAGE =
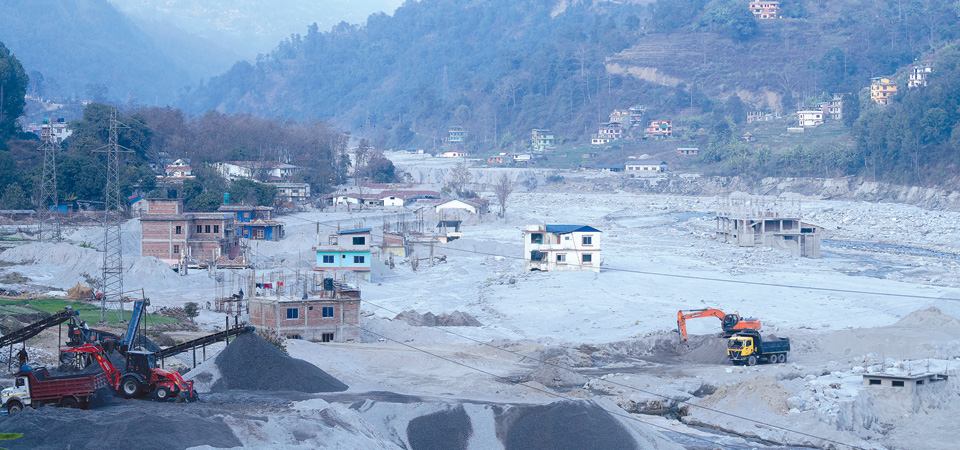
[(88, 312)]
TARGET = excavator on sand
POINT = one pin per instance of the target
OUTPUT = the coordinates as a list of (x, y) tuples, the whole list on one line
[(731, 323)]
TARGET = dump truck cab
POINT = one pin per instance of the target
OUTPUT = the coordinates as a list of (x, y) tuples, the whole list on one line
[(20, 391), (748, 347)]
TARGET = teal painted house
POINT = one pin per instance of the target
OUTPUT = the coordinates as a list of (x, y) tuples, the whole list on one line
[(254, 222), (346, 251)]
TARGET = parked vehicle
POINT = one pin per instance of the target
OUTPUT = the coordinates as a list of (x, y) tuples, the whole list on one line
[(731, 323), (36, 387)]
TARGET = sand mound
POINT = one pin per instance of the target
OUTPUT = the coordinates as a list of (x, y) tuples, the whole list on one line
[(251, 363), (762, 395), (930, 317), (69, 264), (152, 426), (705, 350), (454, 319)]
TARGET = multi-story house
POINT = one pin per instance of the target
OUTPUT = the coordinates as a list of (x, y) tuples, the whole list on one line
[(918, 75), (346, 251), (254, 222), (172, 235), (55, 131), (612, 130), (660, 128), (561, 247), (457, 135), (764, 10), (331, 314), (810, 118), (541, 140), (256, 170), (881, 89)]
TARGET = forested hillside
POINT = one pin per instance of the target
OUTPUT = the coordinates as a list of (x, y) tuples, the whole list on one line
[(502, 67), (86, 49)]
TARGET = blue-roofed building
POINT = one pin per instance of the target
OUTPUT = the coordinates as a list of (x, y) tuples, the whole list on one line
[(254, 222), (346, 251), (561, 247)]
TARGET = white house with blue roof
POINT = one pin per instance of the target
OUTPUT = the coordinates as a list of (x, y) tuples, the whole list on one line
[(561, 247), (346, 251)]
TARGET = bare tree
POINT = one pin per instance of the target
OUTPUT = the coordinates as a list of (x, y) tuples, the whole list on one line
[(502, 189), (459, 177)]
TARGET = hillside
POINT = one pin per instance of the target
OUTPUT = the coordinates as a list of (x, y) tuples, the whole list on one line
[(503, 67), (87, 49)]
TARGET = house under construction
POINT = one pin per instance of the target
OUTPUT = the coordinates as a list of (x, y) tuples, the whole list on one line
[(766, 222)]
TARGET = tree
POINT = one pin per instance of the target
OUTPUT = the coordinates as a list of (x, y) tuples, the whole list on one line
[(13, 88), (502, 189), (459, 177), (14, 197), (191, 309)]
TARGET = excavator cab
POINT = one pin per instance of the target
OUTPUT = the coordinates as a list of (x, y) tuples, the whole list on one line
[(141, 363), (730, 321)]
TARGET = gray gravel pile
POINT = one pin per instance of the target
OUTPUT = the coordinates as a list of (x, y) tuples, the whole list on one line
[(454, 319), (442, 430), (150, 426), (251, 363), (566, 424)]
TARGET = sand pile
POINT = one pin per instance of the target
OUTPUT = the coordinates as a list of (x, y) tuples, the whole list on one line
[(251, 363), (443, 430), (706, 350), (148, 426), (926, 318), (68, 264), (454, 319)]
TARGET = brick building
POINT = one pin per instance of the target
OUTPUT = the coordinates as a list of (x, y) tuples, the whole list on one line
[(328, 315), (171, 235)]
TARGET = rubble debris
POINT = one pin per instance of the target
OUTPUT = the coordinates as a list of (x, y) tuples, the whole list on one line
[(454, 319)]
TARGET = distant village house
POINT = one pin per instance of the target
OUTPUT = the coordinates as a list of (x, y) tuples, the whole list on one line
[(561, 247)]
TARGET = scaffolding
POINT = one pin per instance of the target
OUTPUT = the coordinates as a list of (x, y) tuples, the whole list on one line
[(757, 206)]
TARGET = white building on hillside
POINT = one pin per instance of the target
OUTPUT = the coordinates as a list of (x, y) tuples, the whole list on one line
[(561, 247)]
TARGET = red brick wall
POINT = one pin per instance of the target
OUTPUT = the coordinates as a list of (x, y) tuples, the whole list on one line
[(164, 207)]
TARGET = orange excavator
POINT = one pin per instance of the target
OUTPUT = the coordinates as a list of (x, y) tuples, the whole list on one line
[(731, 323)]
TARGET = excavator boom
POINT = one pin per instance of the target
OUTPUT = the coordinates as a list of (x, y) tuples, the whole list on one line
[(730, 323)]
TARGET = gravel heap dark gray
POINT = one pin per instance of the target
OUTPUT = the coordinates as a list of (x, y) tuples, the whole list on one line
[(144, 426), (442, 430), (562, 425), (253, 364)]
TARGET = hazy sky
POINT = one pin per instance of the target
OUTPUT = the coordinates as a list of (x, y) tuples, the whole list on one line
[(250, 27)]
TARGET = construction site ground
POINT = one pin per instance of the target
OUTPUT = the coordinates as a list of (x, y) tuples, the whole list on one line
[(883, 298)]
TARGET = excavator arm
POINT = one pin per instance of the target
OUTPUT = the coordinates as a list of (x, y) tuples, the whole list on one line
[(728, 322)]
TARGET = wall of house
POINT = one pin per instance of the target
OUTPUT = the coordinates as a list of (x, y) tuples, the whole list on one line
[(570, 245), (164, 206), (310, 323), (160, 239)]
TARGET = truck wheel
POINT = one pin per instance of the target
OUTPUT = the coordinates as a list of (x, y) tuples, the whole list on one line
[(752, 360), (162, 394), (130, 387), (14, 407), (783, 358), (69, 402)]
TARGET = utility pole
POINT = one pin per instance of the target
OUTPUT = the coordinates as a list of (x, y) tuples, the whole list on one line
[(49, 204), (112, 275)]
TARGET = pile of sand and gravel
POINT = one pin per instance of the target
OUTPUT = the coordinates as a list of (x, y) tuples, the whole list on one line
[(253, 364)]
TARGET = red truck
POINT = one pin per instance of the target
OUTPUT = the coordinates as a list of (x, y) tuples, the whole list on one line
[(36, 388)]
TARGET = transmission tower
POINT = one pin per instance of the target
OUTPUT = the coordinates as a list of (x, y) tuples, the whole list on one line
[(112, 284), (49, 205)]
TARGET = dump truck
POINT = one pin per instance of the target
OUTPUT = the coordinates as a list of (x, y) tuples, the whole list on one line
[(36, 388), (748, 347)]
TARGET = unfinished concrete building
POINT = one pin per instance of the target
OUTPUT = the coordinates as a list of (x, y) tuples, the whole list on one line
[(330, 314), (764, 222)]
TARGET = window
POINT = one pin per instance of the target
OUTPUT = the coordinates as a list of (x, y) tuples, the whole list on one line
[(561, 257), (216, 229), (919, 382), (327, 311), (897, 383), (536, 238), (359, 240), (536, 255), (566, 238), (358, 260), (179, 230), (328, 259), (176, 249), (207, 230), (20, 382), (588, 259), (293, 313), (260, 234), (326, 337), (588, 240), (199, 228)]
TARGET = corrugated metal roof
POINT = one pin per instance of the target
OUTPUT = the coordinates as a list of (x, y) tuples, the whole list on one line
[(357, 231), (564, 229)]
